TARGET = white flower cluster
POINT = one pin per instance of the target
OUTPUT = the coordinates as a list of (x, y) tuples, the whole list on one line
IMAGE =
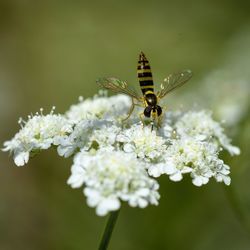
[(142, 141), (115, 161), (198, 158), (38, 133), (99, 107), (111, 177), (202, 127), (87, 134)]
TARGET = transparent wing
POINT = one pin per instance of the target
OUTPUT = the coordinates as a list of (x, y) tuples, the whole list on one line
[(117, 86), (174, 81)]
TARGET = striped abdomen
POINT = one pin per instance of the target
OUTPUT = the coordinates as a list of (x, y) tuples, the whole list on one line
[(145, 75)]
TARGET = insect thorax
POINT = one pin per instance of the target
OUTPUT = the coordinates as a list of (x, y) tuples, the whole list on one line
[(151, 99)]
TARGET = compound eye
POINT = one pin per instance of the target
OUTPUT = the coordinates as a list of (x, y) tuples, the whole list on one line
[(147, 111), (159, 110)]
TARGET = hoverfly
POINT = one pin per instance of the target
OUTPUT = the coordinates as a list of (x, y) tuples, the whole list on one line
[(149, 101)]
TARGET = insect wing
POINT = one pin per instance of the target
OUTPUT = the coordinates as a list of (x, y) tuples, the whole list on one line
[(174, 81), (117, 86)]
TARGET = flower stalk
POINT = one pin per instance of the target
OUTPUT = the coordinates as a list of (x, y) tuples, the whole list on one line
[(108, 230)]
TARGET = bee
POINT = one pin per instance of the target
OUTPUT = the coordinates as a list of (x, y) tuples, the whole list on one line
[(149, 99)]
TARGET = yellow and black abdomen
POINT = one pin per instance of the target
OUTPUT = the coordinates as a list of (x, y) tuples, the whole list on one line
[(145, 75)]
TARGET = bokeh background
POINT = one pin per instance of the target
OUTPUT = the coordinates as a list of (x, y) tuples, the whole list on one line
[(51, 52)]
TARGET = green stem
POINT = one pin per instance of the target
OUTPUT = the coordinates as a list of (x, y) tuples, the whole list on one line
[(108, 230)]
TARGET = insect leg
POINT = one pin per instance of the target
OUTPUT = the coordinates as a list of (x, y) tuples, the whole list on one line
[(130, 110), (152, 125), (139, 104), (160, 112), (159, 121), (141, 118)]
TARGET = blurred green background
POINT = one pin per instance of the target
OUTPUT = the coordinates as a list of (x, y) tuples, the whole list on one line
[(51, 52)]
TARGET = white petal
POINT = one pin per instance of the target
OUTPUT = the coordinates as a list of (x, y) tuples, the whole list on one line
[(77, 177), (93, 197), (201, 137), (176, 177), (186, 170), (107, 205), (143, 192), (75, 181), (128, 148), (154, 171), (142, 203), (122, 138), (197, 181), (227, 180), (170, 169), (21, 158), (65, 151), (233, 150)]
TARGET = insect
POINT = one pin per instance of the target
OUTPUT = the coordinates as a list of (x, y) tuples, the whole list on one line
[(149, 99)]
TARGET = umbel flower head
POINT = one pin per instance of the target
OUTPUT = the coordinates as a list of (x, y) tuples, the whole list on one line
[(111, 177), (37, 133), (118, 161)]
